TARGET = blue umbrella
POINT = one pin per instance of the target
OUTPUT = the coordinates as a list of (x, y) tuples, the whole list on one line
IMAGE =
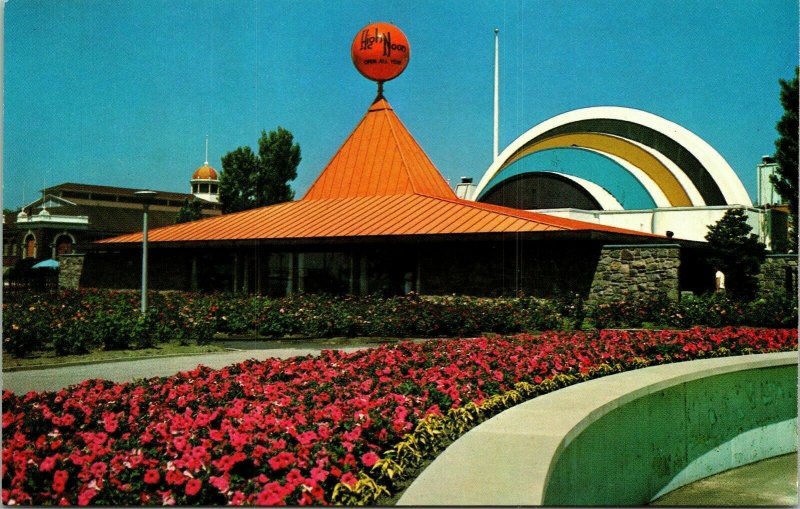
[(47, 264)]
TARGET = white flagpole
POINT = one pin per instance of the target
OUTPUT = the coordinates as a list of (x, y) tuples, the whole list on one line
[(496, 93)]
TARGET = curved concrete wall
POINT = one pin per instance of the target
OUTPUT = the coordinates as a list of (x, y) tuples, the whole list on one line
[(675, 436), (622, 439)]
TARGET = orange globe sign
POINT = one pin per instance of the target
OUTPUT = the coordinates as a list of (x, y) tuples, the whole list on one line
[(380, 51)]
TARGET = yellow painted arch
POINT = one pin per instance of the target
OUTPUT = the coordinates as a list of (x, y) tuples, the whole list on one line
[(620, 147)]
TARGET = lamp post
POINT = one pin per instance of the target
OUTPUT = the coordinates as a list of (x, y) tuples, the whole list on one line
[(147, 198)]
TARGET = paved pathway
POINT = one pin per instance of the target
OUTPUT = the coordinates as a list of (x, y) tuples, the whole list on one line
[(771, 482), (52, 379)]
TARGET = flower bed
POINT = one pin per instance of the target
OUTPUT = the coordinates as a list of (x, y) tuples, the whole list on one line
[(78, 321), (340, 427)]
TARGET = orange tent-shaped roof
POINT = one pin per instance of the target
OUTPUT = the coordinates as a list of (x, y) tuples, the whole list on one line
[(380, 158), (380, 183)]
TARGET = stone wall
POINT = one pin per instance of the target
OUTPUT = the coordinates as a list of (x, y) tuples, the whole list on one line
[(70, 270), (633, 271), (778, 274)]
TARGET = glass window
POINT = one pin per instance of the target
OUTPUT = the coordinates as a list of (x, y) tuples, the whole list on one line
[(30, 247)]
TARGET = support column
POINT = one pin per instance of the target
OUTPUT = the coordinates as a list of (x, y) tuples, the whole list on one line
[(246, 275), (363, 287), (193, 281), (290, 280), (418, 285), (353, 263), (301, 272), (235, 272)]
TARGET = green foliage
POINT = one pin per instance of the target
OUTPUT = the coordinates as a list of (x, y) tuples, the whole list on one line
[(77, 322), (630, 313), (279, 157), (190, 211), (252, 180), (786, 145), (713, 310), (736, 252), (235, 189)]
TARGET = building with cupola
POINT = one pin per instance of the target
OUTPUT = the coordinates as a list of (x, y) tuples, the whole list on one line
[(68, 217), (205, 183), (381, 218)]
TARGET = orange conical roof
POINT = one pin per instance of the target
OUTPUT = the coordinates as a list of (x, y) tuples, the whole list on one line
[(379, 184), (379, 158)]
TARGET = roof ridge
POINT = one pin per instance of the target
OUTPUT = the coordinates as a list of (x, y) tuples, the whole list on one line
[(400, 150)]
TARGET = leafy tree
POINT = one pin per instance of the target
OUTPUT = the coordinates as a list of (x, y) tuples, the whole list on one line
[(252, 180), (191, 211), (736, 252), (785, 179)]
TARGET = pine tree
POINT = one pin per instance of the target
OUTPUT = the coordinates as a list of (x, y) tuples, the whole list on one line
[(736, 252), (785, 178)]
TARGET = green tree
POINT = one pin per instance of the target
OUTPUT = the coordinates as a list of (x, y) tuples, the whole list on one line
[(252, 180), (785, 179), (191, 211), (736, 252)]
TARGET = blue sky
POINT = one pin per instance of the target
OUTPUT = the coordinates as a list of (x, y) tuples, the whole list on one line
[(123, 93)]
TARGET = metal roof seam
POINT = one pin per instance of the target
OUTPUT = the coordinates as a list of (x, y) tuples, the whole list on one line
[(402, 156), (397, 214), (373, 221), (431, 205), (329, 217)]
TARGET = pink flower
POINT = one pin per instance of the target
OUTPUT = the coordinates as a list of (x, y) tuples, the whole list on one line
[(221, 483), (319, 474), (99, 469), (369, 459)]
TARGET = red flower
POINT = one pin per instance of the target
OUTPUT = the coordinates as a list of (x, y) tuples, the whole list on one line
[(349, 479), (175, 478), (48, 463), (306, 418), (193, 487), (152, 476), (271, 494), (60, 481), (86, 496)]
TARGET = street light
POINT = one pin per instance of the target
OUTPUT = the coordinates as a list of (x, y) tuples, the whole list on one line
[(147, 198)]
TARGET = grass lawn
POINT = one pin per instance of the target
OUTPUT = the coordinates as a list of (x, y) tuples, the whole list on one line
[(50, 358)]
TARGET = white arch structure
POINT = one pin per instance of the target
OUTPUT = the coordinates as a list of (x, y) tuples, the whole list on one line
[(674, 165)]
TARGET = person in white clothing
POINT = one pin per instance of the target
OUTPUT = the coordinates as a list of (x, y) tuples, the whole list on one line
[(719, 277)]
